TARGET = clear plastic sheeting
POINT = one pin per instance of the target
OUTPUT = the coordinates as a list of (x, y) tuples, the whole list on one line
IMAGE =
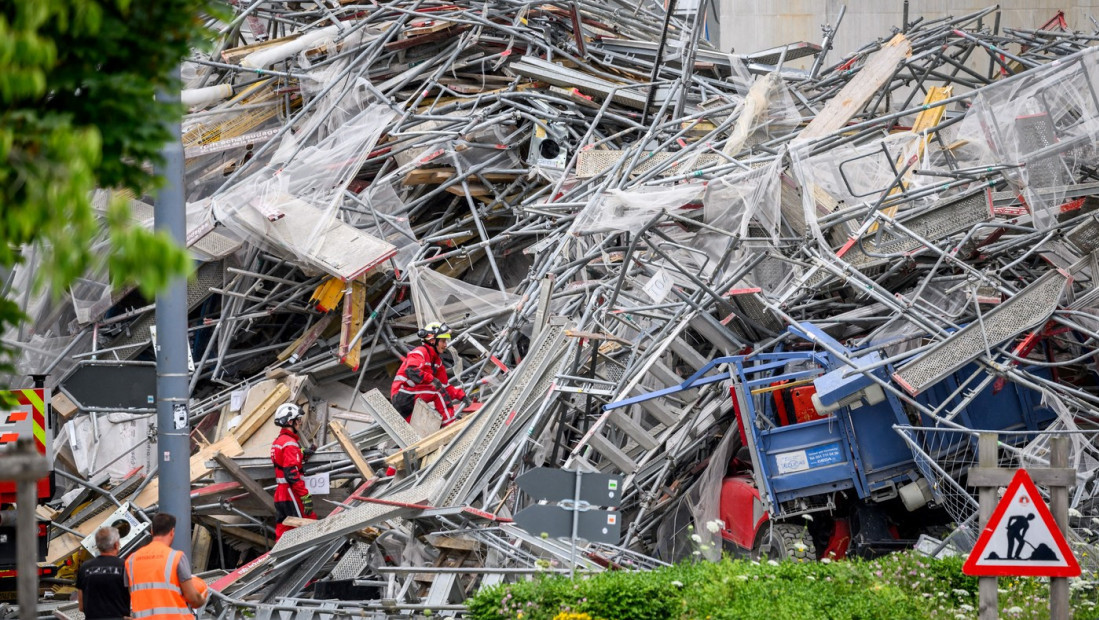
[(396, 157), (127, 451), (294, 208), (437, 297), (704, 500), (268, 56), (618, 211), (342, 87), (91, 297), (1043, 128), (942, 302), (767, 111), (848, 177), (380, 211), (734, 201), (218, 140)]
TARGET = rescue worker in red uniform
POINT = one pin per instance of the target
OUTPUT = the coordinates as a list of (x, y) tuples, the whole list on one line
[(292, 499), (422, 376)]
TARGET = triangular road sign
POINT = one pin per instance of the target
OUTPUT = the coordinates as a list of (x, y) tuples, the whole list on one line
[(1021, 538)]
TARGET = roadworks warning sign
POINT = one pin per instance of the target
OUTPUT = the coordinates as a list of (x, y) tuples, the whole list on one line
[(1021, 538)]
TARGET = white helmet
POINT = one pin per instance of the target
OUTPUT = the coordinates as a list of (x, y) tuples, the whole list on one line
[(287, 413)]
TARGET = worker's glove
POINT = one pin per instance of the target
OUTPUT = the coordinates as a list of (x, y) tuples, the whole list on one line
[(308, 453), (307, 503), (466, 402), (439, 385)]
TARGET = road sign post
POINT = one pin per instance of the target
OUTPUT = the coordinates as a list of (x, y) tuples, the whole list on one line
[(1022, 524), (576, 494)]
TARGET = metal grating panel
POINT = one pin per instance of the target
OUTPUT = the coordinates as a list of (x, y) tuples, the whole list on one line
[(594, 163), (353, 563), (1036, 133), (99, 505), (216, 245), (754, 308), (463, 458), (351, 520), (1085, 236), (208, 275), (387, 417), (787, 53), (342, 250), (1027, 309), (296, 577), (949, 217)]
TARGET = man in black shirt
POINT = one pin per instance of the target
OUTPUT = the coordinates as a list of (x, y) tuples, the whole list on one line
[(101, 582)]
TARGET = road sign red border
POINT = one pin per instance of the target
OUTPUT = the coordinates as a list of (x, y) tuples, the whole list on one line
[(1023, 569)]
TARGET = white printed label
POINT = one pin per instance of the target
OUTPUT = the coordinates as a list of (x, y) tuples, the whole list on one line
[(236, 400), (789, 462), (317, 484), (658, 286)]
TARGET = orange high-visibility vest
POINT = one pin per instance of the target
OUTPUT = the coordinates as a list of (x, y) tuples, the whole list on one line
[(155, 593)]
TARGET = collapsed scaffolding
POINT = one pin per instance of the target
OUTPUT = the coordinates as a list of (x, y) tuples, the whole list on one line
[(660, 261)]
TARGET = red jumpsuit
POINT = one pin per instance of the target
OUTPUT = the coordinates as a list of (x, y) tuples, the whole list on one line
[(422, 376), (290, 488)]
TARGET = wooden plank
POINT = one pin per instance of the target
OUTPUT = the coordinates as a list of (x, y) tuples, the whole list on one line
[(233, 56), (428, 444), (259, 540), (258, 416), (447, 33), (997, 477), (228, 446), (879, 68), (351, 449), (1059, 608), (254, 488), (201, 544), (575, 333), (475, 189), (453, 542), (988, 452), (925, 120), (435, 176), (297, 521), (429, 27), (354, 315), (67, 544), (296, 350)]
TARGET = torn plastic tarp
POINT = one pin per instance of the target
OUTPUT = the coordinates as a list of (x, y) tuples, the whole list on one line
[(441, 298), (294, 208)]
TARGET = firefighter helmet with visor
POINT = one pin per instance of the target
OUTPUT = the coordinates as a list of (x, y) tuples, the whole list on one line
[(287, 413), (433, 331)]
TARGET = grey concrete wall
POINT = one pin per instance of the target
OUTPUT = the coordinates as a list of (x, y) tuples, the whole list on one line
[(751, 25)]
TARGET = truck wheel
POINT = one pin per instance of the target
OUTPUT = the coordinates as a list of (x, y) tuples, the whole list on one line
[(791, 542)]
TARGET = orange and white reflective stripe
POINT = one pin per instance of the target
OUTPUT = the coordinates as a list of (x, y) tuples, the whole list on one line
[(14, 424)]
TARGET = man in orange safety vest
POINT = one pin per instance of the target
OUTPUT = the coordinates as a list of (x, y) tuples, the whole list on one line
[(161, 584)]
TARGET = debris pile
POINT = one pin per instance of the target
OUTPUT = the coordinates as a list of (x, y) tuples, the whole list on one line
[(753, 291)]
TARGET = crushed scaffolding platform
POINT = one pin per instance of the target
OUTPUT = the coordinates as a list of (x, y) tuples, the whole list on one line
[(756, 287)]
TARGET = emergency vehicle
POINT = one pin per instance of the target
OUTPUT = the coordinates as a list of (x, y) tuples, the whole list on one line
[(26, 414)]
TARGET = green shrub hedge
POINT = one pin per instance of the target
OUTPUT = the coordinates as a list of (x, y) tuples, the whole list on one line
[(899, 586)]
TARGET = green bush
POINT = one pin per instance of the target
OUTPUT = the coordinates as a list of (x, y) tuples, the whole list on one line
[(903, 585)]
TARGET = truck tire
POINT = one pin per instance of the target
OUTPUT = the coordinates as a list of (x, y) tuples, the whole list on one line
[(791, 541)]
